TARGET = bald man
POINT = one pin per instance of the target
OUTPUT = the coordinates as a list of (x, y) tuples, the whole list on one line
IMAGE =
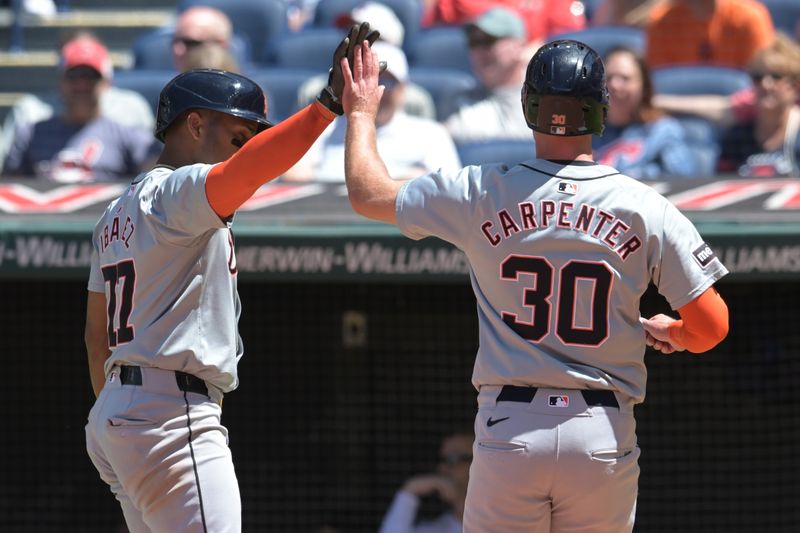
[(197, 26)]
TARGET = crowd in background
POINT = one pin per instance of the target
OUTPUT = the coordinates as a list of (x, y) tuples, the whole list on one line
[(91, 129)]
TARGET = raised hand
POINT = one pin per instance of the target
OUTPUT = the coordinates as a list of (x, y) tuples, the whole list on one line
[(331, 95), (362, 94)]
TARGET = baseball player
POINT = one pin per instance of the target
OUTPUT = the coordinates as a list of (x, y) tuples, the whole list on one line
[(162, 311), (561, 249)]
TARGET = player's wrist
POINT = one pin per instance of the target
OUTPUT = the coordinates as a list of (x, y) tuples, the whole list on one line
[(330, 101)]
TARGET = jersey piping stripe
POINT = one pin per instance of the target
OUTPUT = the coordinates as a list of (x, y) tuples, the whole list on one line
[(194, 464), (567, 177)]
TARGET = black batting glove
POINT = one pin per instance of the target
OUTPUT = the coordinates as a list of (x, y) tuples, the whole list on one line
[(331, 95)]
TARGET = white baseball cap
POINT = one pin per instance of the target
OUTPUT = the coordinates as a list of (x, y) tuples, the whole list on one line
[(380, 17), (396, 63)]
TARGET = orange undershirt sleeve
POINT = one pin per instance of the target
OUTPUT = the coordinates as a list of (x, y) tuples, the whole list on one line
[(703, 324), (263, 158)]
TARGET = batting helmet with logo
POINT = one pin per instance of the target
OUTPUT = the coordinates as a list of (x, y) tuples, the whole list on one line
[(218, 90), (565, 90)]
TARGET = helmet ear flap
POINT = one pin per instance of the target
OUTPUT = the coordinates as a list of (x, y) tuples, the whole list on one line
[(530, 107)]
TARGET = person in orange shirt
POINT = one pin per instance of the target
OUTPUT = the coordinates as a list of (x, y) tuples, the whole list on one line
[(542, 18), (717, 32)]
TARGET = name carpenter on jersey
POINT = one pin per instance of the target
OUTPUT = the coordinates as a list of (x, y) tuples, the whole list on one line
[(587, 219), (112, 232)]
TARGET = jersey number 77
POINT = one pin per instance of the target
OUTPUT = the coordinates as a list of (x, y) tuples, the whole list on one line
[(122, 276)]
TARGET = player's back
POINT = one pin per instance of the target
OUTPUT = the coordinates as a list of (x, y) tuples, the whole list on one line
[(166, 264), (560, 256)]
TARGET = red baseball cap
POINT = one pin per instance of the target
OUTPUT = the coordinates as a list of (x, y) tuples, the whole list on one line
[(86, 52)]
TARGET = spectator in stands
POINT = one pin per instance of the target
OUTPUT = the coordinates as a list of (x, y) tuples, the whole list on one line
[(640, 140), (418, 102), (379, 16), (196, 26), (80, 144), (633, 13), (129, 108), (410, 146), (768, 145), (211, 55), (718, 32), (496, 42), (448, 482), (541, 18)]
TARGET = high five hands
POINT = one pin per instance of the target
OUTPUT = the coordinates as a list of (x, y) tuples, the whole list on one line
[(362, 94)]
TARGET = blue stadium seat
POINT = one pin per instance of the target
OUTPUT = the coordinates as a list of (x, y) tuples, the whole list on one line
[(148, 83), (590, 8), (604, 38), (153, 50), (311, 48), (510, 151), (444, 46), (257, 20), (785, 14), (281, 85), (699, 79), (408, 11), (444, 86), (702, 138)]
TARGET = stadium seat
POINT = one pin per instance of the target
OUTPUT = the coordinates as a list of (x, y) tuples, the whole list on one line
[(257, 20), (408, 11), (702, 138), (148, 83), (510, 151), (699, 79), (444, 46), (444, 86), (604, 38), (153, 50), (785, 14), (281, 85), (311, 48), (590, 8)]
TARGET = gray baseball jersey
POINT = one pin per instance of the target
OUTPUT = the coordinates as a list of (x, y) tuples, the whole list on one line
[(559, 258), (165, 261)]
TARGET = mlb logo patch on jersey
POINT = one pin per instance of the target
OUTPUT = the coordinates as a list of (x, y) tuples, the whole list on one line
[(703, 254), (556, 400), (567, 188)]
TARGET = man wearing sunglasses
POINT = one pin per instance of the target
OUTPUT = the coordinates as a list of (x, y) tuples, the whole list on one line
[(448, 482), (199, 25), (497, 43), (81, 142)]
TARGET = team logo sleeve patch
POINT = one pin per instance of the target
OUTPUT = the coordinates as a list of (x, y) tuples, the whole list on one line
[(703, 254)]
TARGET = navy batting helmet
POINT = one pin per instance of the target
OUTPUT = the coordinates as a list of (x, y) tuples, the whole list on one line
[(565, 90), (213, 89)]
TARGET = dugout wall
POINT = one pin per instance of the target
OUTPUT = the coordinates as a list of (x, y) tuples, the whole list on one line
[(347, 388)]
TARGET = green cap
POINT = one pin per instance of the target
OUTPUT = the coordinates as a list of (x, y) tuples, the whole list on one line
[(500, 22)]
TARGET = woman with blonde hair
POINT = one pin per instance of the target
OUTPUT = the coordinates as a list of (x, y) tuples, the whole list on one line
[(768, 145)]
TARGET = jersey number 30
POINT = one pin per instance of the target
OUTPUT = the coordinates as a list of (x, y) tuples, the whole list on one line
[(538, 299), (124, 273)]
